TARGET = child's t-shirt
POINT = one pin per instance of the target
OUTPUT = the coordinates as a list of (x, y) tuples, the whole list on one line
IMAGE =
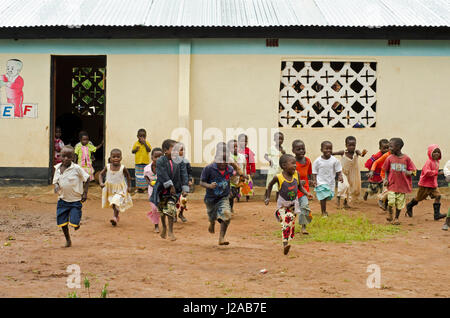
[(304, 170), (211, 174), (396, 167), (79, 152), (70, 182), (326, 170), (141, 156)]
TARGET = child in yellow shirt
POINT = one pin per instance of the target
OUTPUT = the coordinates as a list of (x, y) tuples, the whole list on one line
[(141, 149)]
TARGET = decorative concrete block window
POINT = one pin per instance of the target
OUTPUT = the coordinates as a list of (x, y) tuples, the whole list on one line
[(88, 91), (327, 94)]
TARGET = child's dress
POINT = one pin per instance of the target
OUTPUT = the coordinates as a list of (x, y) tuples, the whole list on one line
[(84, 158), (287, 205), (58, 146), (115, 190), (352, 178)]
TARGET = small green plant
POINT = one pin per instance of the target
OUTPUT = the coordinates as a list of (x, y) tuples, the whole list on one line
[(87, 284), (104, 291), (72, 295)]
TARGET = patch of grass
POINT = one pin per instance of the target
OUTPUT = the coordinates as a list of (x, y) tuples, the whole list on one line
[(342, 228)]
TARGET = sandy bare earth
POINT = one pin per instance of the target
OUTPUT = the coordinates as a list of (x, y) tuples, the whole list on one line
[(136, 262)]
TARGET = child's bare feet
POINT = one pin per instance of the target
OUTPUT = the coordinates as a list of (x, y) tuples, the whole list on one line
[(366, 194), (305, 232), (113, 221), (396, 222), (286, 249), (163, 232), (211, 227), (68, 243), (381, 205), (223, 242), (156, 228), (324, 214), (172, 237), (182, 218), (77, 228)]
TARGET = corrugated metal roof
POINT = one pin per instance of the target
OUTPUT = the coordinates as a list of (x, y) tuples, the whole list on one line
[(225, 13)]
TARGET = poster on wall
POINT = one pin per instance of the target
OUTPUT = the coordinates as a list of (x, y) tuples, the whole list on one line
[(11, 93)]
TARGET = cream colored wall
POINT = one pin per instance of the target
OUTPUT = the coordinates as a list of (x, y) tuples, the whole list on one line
[(413, 101), (24, 141), (141, 92)]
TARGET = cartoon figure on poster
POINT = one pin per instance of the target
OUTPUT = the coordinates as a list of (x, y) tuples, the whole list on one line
[(13, 83)]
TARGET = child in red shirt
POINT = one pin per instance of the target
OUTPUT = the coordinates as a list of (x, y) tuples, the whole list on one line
[(428, 185), (247, 189), (398, 168), (304, 169), (375, 179)]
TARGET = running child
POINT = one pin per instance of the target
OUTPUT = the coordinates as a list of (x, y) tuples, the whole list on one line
[(182, 202), (378, 165), (215, 178), (304, 170), (171, 183), (288, 204), (239, 164), (247, 189), (324, 170), (428, 185), (273, 157), (150, 176), (351, 187), (83, 153), (141, 149), (116, 187), (71, 183), (374, 177), (398, 168)]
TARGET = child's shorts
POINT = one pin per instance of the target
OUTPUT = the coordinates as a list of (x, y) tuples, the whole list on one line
[(375, 187), (324, 192), (397, 200), (68, 213), (424, 192), (220, 210), (168, 206)]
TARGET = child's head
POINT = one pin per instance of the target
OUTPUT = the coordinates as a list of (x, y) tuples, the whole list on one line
[(384, 145), (58, 132), (167, 147), (141, 133), (350, 143), (278, 138), (180, 149), (436, 154), (298, 148), (115, 156), (67, 155), (326, 147), (156, 153), (242, 141), (288, 163), (395, 146), (221, 157), (13, 67), (84, 137), (233, 146)]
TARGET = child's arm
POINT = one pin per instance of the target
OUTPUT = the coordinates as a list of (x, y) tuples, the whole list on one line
[(147, 146), (266, 156), (99, 146), (101, 176), (184, 178), (361, 154), (126, 173), (208, 185), (303, 190), (338, 153), (269, 189), (340, 177)]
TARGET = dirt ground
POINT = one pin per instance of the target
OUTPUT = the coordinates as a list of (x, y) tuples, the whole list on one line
[(136, 262)]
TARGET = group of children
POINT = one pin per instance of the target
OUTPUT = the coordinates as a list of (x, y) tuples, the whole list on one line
[(168, 177)]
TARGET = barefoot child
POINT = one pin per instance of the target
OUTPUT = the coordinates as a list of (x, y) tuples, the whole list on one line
[(428, 185), (374, 177), (324, 171), (304, 170), (238, 162), (182, 202), (378, 166), (398, 168), (351, 187), (273, 158), (171, 183), (247, 189), (141, 149), (116, 187), (150, 176), (71, 183), (83, 154), (287, 203), (215, 178)]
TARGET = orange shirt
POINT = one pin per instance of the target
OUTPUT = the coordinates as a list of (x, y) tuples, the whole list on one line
[(379, 163), (304, 170)]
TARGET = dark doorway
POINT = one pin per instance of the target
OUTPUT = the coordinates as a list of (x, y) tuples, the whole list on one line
[(78, 102)]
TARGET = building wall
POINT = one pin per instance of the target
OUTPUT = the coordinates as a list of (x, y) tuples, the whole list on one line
[(233, 83)]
